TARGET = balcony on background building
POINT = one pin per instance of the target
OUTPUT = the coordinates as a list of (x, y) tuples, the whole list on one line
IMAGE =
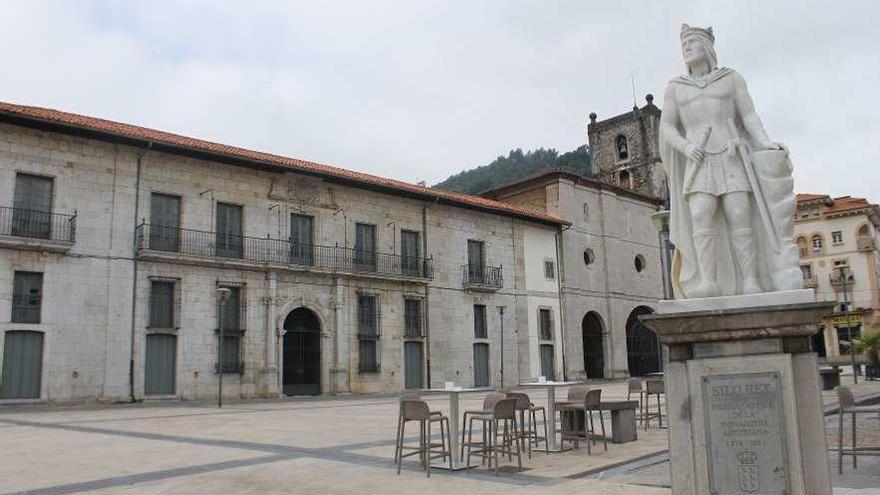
[(481, 277), (36, 230), (172, 244), (836, 280), (864, 243), (811, 282)]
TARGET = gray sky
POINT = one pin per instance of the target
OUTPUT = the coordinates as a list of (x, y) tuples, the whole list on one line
[(418, 90)]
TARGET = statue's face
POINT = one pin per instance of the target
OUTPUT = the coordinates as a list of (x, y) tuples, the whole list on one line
[(692, 50)]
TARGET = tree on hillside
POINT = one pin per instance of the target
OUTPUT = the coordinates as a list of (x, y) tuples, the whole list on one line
[(515, 166)]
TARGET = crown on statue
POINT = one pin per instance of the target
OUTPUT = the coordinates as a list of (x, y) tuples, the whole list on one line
[(707, 33)]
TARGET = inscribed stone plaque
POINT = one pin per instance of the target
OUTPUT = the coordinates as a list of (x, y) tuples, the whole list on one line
[(745, 432)]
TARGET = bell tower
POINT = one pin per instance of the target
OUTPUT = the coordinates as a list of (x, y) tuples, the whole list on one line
[(625, 149)]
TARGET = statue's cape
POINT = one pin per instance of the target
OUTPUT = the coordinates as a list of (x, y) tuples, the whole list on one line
[(713, 76), (778, 268)]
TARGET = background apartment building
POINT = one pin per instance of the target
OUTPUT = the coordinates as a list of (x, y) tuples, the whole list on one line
[(115, 240), (834, 235)]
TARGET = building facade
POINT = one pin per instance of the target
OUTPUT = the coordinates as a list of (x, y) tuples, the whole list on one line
[(126, 251), (625, 150), (837, 240), (611, 271)]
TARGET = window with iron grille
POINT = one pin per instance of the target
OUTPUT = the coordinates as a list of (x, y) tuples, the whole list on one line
[(233, 315), (164, 303), (545, 320), (481, 329), (412, 318), (368, 333), (549, 270), (234, 309), (27, 297)]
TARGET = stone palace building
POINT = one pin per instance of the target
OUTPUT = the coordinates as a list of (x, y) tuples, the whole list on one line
[(115, 240)]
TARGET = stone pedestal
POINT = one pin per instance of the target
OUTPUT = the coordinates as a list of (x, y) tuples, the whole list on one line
[(743, 395)]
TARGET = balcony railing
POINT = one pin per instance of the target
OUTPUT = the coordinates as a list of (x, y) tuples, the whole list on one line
[(34, 224), (864, 243), (231, 247), (811, 282), (481, 277), (836, 281)]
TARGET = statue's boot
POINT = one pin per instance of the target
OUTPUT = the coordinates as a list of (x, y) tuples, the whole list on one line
[(705, 242), (743, 241)]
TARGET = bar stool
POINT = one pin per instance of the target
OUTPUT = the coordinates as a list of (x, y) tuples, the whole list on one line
[(656, 388), (592, 403), (847, 405), (634, 385), (528, 421), (403, 397), (489, 402), (417, 410), (504, 412)]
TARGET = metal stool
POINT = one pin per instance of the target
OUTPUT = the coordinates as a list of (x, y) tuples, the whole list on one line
[(847, 405), (591, 404), (634, 385), (417, 410), (656, 388), (528, 421), (504, 413), (403, 397), (489, 402)]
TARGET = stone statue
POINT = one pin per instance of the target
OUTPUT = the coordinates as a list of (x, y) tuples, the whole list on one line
[(731, 190)]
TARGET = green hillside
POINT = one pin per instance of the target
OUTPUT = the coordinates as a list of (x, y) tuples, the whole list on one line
[(515, 166)]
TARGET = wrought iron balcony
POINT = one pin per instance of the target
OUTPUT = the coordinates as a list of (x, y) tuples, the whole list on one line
[(481, 277), (864, 243), (836, 279), (811, 282), (33, 229), (168, 243)]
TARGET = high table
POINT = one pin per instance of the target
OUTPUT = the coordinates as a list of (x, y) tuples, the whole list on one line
[(454, 419), (551, 408)]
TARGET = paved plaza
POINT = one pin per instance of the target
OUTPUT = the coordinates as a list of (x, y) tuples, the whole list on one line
[(335, 445)]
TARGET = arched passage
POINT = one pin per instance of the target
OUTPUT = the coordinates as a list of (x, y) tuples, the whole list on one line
[(642, 347), (594, 353), (302, 353)]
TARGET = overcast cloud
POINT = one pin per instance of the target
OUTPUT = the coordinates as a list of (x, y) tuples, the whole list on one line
[(418, 90)]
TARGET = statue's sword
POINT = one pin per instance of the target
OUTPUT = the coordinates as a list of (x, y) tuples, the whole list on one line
[(757, 192)]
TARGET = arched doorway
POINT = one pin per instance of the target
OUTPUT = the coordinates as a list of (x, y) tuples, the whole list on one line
[(302, 353), (594, 352), (642, 347)]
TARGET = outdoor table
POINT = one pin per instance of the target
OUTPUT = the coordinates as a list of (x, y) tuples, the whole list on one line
[(551, 408), (454, 419)]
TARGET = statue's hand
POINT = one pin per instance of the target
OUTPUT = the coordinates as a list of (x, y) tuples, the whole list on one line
[(694, 153)]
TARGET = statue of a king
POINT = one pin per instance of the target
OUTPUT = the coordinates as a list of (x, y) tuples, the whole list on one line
[(731, 191)]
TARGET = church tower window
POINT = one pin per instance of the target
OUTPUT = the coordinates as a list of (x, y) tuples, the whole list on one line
[(625, 180), (622, 147)]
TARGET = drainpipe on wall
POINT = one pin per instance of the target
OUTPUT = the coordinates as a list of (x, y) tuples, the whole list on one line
[(137, 197), (427, 289), (560, 282)]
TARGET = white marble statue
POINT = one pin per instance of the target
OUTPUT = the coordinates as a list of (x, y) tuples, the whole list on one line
[(730, 187)]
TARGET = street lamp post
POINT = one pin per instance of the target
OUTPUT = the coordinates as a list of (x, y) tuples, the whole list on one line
[(852, 347), (222, 296), (661, 223), (501, 317)]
